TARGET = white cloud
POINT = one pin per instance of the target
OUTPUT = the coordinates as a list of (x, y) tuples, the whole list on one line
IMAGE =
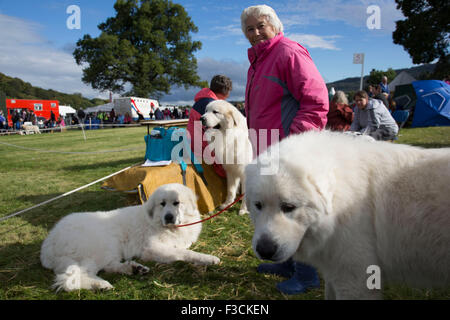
[(207, 68), (314, 41), (26, 55), (350, 12)]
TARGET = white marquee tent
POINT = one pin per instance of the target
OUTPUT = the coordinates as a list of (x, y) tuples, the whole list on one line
[(103, 107), (64, 110)]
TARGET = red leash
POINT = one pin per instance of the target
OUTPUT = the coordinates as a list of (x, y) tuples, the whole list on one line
[(210, 217)]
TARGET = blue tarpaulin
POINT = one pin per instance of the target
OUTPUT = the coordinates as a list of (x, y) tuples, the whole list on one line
[(432, 105)]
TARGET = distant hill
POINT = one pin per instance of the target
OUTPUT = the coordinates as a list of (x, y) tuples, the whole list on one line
[(352, 84), (19, 89)]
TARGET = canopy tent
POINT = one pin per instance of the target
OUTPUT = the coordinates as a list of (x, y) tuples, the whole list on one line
[(103, 107), (432, 105), (64, 110), (401, 79)]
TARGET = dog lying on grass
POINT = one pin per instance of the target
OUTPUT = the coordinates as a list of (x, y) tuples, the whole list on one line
[(82, 244)]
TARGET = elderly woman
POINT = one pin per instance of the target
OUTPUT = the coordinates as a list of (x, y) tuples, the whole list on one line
[(285, 93), (340, 116)]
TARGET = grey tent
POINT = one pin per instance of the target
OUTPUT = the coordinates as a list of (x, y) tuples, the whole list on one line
[(401, 79)]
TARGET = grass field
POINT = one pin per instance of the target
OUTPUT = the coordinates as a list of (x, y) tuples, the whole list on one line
[(36, 168)]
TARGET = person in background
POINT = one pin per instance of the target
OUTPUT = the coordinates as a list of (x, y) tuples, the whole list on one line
[(286, 93), (112, 115), (167, 114), (384, 85), (392, 105), (371, 91), (219, 89), (159, 114), (17, 120), (52, 119), (340, 116), (381, 96), (61, 122), (3, 121), (127, 118), (373, 118), (33, 118), (120, 118), (81, 115), (447, 80)]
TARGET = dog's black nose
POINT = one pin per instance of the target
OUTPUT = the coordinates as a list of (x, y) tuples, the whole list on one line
[(266, 247), (203, 121), (169, 218)]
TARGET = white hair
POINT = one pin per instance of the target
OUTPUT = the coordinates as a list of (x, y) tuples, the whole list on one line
[(261, 11), (340, 97)]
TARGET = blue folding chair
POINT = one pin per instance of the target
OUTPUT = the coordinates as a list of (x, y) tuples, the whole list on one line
[(400, 116)]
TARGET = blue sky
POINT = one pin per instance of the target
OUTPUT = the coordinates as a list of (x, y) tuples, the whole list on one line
[(36, 44)]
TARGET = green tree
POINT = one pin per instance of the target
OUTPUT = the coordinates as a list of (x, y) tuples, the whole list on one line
[(146, 46), (376, 75), (425, 32)]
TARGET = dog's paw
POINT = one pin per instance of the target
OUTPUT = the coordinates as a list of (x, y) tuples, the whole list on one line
[(210, 259), (101, 285), (140, 269), (243, 212), (224, 205)]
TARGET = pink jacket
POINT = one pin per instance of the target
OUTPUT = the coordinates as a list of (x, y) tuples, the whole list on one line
[(285, 91)]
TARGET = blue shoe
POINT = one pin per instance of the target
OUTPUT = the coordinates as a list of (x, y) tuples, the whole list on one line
[(285, 269), (304, 278)]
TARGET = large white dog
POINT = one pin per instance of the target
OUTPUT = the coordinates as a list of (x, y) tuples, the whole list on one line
[(82, 244), (364, 213), (231, 145)]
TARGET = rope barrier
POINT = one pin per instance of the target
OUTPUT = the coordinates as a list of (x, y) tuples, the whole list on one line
[(63, 195), (68, 152), (89, 126)]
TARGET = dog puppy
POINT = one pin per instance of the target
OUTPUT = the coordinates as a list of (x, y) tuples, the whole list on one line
[(82, 244), (354, 208), (231, 145)]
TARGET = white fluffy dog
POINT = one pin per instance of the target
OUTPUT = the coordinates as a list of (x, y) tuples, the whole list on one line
[(30, 128), (231, 145), (363, 213), (82, 244)]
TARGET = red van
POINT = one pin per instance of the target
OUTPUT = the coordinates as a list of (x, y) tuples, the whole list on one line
[(41, 108)]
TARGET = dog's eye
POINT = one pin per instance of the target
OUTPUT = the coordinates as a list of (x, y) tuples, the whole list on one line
[(215, 111), (176, 203), (258, 205), (163, 203), (287, 207)]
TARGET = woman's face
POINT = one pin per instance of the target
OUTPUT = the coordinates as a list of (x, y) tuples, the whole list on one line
[(258, 30), (361, 102)]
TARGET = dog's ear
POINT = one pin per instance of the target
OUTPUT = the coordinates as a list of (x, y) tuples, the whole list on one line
[(193, 198), (234, 114), (149, 206), (323, 184)]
